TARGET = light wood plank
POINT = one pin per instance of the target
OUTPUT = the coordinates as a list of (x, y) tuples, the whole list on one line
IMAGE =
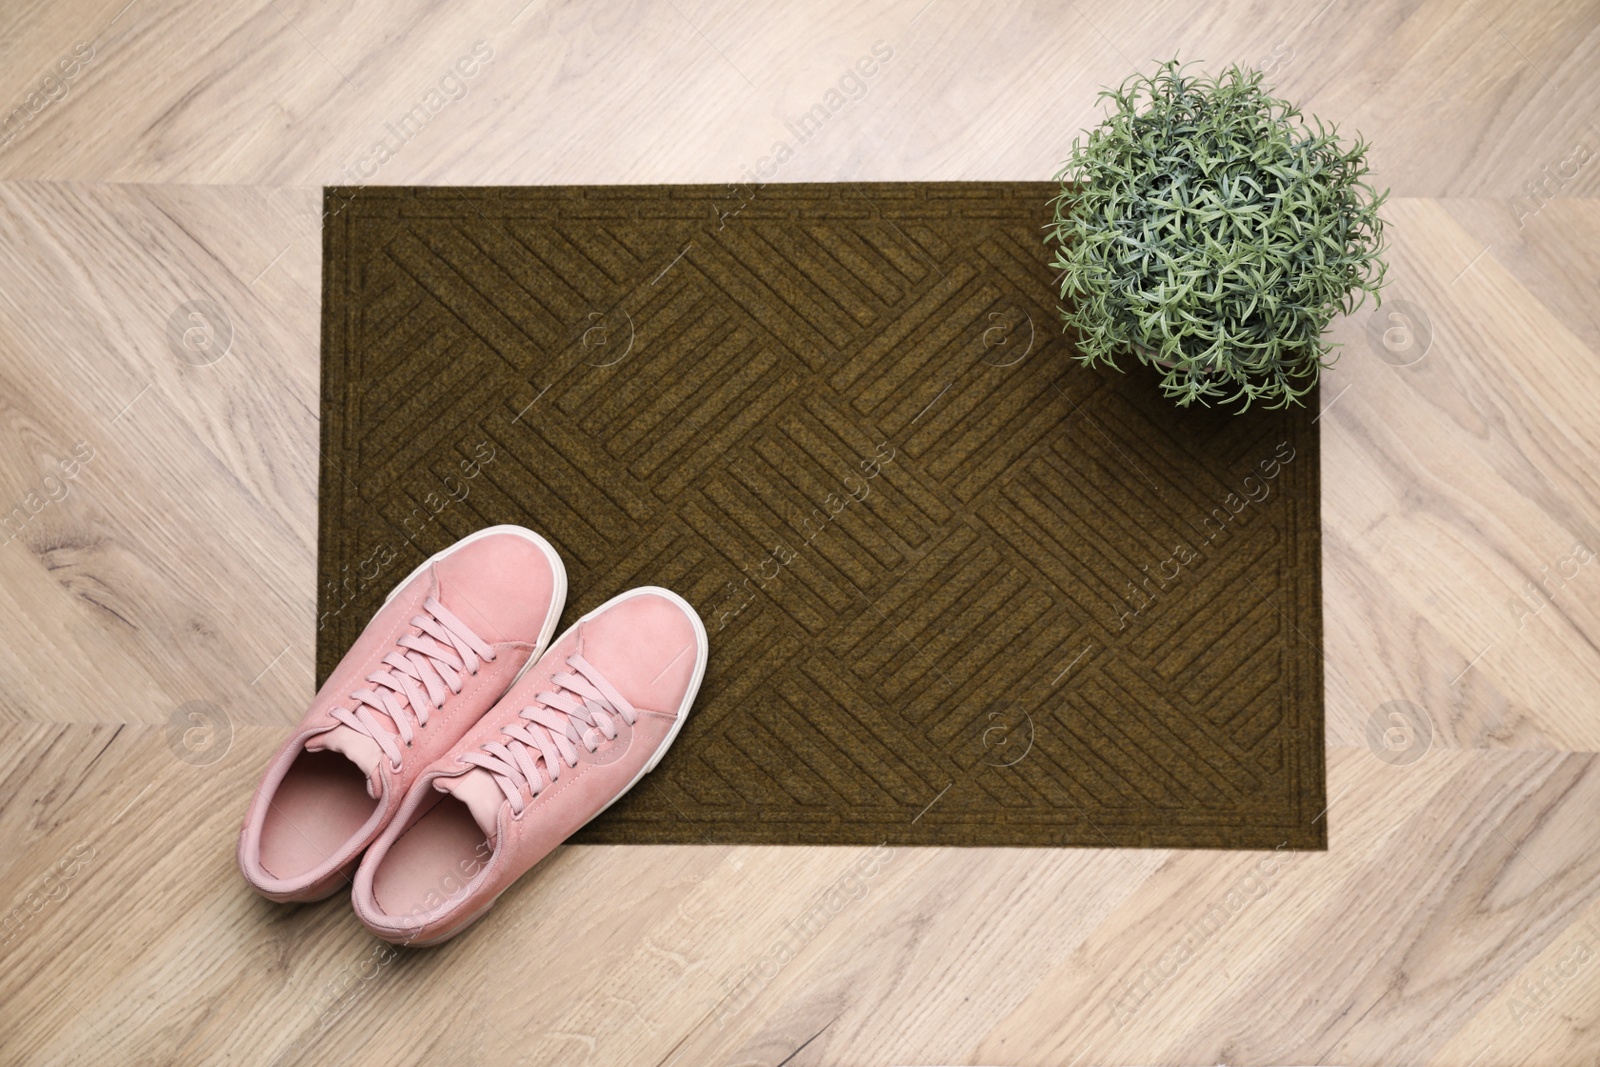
[(1457, 99), (179, 566)]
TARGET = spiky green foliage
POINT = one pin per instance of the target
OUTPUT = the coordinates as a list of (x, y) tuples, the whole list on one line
[(1207, 230)]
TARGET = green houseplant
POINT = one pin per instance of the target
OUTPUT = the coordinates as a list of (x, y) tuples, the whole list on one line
[(1206, 230)]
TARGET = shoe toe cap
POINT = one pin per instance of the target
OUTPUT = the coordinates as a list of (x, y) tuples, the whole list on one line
[(649, 646), (502, 584)]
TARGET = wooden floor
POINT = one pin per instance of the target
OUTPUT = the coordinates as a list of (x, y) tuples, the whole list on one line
[(157, 591)]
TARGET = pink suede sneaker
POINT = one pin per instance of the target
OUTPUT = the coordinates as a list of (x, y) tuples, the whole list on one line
[(447, 644), (587, 722)]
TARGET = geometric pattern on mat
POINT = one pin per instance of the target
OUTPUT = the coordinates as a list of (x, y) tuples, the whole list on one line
[(960, 589)]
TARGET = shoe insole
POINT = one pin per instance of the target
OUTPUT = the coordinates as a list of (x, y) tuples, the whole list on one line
[(319, 806), (432, 861)]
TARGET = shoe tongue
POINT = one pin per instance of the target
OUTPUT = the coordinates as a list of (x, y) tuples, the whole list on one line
[(478, 791), (358, 748)]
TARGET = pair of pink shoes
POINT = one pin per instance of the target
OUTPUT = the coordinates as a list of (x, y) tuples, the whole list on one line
[(455, 752)]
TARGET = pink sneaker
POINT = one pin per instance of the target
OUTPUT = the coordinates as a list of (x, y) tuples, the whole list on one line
[(449, 641), (587, 722)]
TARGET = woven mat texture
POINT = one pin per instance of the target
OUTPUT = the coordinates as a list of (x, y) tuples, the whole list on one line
[(960, 590)]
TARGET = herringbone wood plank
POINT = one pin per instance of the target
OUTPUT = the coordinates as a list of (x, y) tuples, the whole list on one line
[(1443, 926)]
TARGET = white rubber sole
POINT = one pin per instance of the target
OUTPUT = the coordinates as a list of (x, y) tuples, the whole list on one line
[(558, 590)]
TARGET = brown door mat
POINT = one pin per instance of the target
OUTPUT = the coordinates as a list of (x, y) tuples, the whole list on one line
[(960, 590)]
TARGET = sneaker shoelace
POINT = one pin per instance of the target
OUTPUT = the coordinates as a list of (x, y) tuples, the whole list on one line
[(583, 709), (437, 658)]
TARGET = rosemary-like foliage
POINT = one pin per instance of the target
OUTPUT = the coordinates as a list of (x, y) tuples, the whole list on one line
[(1206, 229)]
